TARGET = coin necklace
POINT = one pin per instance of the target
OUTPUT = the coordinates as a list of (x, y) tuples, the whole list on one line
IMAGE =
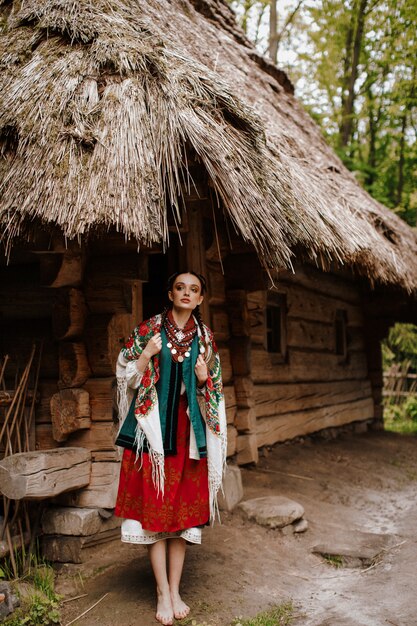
[(179, 339)]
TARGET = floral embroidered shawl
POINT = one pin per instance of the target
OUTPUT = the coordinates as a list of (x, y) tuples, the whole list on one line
[(211, 404)]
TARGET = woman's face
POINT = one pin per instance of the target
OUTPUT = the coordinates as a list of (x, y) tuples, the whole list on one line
[(186, 292)]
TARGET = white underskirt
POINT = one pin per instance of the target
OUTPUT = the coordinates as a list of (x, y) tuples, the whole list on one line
[(132, 532)]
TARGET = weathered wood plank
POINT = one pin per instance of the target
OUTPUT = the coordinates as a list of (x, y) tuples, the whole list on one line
[(62, 269), (70, 411), (226, 365), (247, 449), (324, 283), (308, 334), (306, 366), (230, 401), (44, 438), (270, 430), (76, 522), (307, 308), (101, 491), (220, 324), (47, 388), (313, 306), (102, 393), (38, 475), (216, 284), (74, 368), (276, 399), (105, 336), (100, 436), (108, 282), (69, 314), (231, 440), (64, 549)]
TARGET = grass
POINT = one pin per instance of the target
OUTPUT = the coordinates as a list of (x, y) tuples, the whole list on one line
[(280, 615), (334, 559), (401, 418), (39, 604)]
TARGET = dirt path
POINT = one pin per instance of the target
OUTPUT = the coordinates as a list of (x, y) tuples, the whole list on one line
[(349, 486)]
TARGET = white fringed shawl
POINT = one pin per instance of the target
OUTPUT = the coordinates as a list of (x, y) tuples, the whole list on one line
[(210, 400)]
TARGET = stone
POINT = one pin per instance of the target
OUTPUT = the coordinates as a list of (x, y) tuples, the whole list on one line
[(9, 602), (352, 544), (232, 489), (76, 521), (300, 526), (272, 511)]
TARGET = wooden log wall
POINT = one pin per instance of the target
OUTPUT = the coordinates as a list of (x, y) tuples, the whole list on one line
[(83, 304), (312, 387), (112, 289), (219, 322)]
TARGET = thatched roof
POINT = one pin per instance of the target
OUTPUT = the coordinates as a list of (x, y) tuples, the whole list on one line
[(100, 102)]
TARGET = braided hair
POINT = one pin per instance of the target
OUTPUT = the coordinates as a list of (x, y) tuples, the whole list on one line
[(196, 312)]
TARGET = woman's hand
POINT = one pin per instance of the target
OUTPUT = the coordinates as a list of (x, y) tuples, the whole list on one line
[(153, 346), (201, 370)]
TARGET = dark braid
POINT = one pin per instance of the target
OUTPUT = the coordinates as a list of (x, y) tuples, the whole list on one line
[(164, 315), (197, 315)]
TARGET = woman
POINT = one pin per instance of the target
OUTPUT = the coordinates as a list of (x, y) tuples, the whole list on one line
[(174, 435)]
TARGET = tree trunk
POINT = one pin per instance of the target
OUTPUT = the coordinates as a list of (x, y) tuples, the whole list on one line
[(401, 159), (346, 127), (273, 29)]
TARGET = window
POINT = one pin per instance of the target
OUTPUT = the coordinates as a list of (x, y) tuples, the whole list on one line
[(340, 329), (275, 324)]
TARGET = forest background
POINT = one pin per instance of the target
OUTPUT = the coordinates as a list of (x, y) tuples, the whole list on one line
[(353, 64)]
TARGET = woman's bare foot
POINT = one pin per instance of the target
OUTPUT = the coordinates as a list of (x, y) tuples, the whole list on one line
[(164, 609), (181, 609)]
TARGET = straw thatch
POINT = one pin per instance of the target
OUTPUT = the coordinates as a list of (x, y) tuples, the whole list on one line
[(101, 102)]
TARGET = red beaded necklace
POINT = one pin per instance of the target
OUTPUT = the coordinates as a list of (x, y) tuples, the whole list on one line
[(179, 339)]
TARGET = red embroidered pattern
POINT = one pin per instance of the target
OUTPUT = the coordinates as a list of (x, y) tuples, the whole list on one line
[(147, 395), (186, 497)]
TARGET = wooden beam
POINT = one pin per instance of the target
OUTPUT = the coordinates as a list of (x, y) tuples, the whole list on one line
[(275, 399), (69, 314), (102, 489), (105, 336), (70, 411), (38, 475), (62, 269), (74, 368), (270, 430)]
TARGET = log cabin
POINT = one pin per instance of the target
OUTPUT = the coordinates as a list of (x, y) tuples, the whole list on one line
[(159, 140)]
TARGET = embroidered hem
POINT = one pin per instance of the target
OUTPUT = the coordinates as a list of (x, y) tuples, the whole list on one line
[(132, 532)]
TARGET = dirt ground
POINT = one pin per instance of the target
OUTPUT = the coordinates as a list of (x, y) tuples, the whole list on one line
[(350, 486)]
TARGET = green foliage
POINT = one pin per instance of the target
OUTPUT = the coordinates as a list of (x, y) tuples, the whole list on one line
[(24, 564), (37, 611), (39, 602), (318, 55), (280, 615), (402, 418), (401, 347)]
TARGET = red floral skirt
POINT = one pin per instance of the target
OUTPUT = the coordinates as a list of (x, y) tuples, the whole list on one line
[(185, 502)]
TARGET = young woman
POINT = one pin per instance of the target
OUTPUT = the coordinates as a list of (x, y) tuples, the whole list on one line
[(174, 435)]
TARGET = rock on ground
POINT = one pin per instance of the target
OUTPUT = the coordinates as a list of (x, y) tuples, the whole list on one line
[(272, 511)]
